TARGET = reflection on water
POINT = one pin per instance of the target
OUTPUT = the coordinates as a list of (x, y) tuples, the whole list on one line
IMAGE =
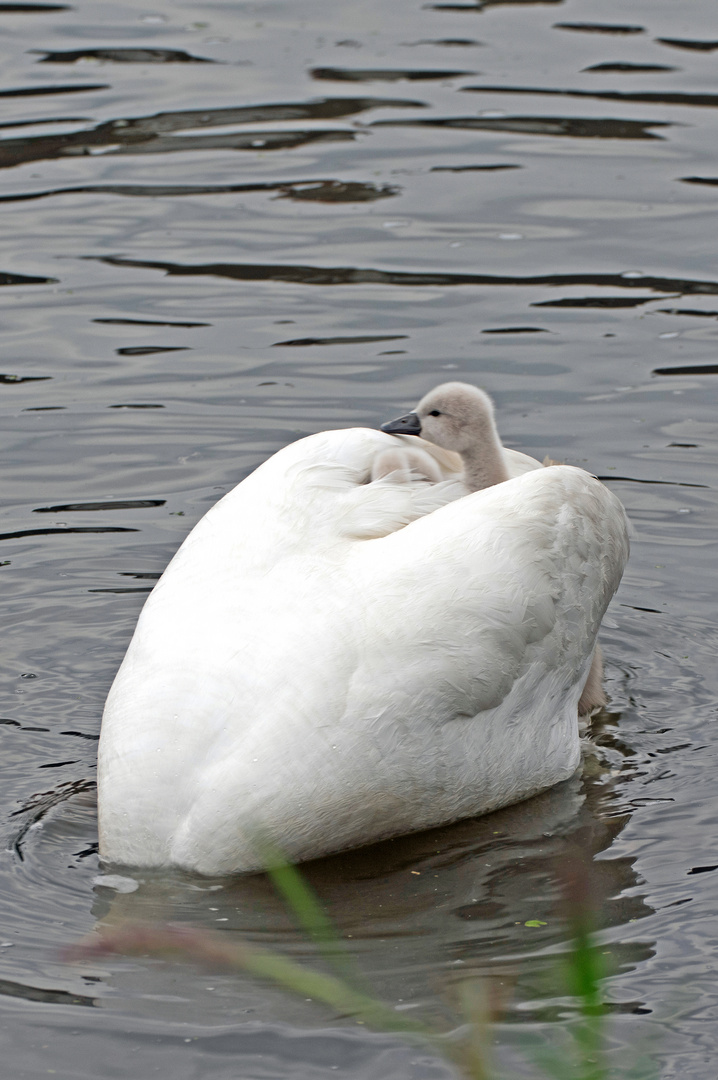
[(309, 190), (340, 275), (22, 279), (161, 339), (383, 74), (600, 28), (625, 66), (686, 43), (124, 56), (649, 97), (158, 134), (42, 91), (576, 127), (471, 889)]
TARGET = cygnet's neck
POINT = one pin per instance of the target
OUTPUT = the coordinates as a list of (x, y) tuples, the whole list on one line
[(484, 466)]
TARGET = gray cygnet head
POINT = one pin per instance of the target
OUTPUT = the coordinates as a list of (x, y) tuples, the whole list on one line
[(459, 417)]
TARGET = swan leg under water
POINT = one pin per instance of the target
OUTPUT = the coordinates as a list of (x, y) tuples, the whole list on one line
[(592, 695), (329, 661)]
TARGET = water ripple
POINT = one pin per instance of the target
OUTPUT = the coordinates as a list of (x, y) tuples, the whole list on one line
[(124, 56), (352, 275), (579, 127), (159, 133), (649, 97)]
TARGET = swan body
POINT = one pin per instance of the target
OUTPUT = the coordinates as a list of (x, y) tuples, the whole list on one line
[(328, 661)]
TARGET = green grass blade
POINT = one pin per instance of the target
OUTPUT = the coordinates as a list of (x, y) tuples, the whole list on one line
[(304, 905)]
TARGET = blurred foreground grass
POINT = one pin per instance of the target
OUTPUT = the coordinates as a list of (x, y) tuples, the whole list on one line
[(342, 988)]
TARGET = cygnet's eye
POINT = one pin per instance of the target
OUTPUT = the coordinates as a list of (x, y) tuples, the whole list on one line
[(434, 412)]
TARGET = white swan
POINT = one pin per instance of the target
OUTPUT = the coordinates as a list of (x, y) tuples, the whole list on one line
[(328, 661)]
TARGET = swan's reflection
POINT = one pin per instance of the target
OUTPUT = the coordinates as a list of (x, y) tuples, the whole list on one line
[(419, 913)]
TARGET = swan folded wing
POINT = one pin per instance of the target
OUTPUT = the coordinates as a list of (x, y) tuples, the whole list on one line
[(509, 579), (390, 503), (301, 499), (317, 489), (321, 485)]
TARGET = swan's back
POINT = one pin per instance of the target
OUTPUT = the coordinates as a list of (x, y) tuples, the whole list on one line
[(328, 661)]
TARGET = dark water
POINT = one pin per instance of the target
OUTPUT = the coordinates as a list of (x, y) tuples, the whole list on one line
[(228, 225)]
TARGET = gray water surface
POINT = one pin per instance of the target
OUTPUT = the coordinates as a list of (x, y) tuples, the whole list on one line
[(229, 225)]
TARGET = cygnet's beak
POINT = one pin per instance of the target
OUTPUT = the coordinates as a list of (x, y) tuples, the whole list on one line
[(403, 425)]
